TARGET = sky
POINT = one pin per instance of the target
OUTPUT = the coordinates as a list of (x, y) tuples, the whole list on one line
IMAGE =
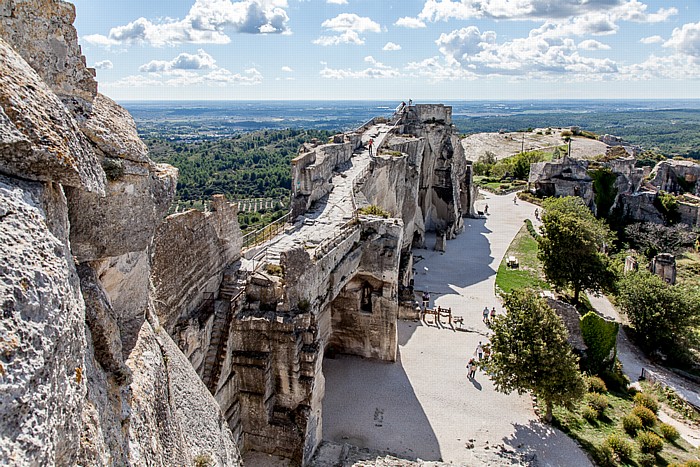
[(392, 49)]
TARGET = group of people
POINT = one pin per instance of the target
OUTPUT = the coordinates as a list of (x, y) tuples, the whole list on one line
[(482, 351), (488, 316)]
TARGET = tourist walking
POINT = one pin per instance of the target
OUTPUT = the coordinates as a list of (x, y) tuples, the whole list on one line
[(486, 209), (493, 313), (480, 351), (486, 314), (515, 199), (426, 300), (537, 214), (471, 369), (369, 145)]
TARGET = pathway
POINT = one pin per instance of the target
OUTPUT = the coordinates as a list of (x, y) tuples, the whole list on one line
[(329, 215), (424, 406)]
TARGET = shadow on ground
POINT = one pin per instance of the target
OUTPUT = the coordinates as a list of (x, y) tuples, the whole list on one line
[(372, 404)]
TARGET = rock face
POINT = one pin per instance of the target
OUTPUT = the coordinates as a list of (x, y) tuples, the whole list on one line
[(256, 325), (88, 376)]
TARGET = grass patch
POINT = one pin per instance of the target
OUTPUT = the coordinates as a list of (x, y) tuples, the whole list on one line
[(688, 269), (592, 435), (499, 187), (529, 273)]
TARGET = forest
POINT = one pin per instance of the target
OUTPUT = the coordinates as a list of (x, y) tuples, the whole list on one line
[(241, 166)]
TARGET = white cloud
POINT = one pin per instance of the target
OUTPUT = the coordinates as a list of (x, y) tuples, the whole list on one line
[(287, 69), (686, 40), (348, 25), (375, 71), (651, 40), (436, 69), (534, 56), (676, 66), (184, 61), (219, 77), (628, 10), (205, 23), (103, 65), (351, 22), (410, 23), (348, 37), (590, 44), (337, 2), (391, 47)]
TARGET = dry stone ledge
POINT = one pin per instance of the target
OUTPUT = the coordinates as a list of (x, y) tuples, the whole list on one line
[(59, 151)]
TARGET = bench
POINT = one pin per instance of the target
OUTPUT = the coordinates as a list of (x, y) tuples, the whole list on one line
[(512, 262)]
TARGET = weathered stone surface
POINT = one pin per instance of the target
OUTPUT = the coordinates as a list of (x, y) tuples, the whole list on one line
[(42, 337), (169, 399), (677, 176), (184, 266), (124, 221), (113, 131), (42, 32), (565, 177), (59, 151)]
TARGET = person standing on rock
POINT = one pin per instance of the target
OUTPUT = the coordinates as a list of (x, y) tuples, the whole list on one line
[(369, 145)]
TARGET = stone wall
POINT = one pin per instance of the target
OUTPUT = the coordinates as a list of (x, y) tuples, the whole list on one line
[(88, 375)]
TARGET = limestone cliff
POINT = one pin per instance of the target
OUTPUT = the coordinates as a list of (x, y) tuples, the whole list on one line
[(88, 376)]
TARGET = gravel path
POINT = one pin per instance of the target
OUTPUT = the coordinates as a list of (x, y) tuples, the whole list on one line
[(424, 406)]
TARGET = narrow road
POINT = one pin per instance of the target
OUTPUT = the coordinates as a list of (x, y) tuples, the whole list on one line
[(424, 406)]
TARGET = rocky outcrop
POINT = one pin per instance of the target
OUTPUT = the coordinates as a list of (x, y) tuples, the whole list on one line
[(88, 376), (565, 177)]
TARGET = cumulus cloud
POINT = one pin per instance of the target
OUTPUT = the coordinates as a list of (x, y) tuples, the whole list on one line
[(651, 40), (533, 56), (206, 22), (219, 77), (686, 40), (676, 66), (103, 65), (410, 23), (376, 70), (629, 10), (348, 26), (390, 47), (184, 61), (287, 69), (590, 44)]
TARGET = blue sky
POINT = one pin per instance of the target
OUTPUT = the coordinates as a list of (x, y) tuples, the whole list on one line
[(392, 49)]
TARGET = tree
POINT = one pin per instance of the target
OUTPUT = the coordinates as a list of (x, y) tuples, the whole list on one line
[(571, 246), (529, 352), (662, 315), (600, 337)]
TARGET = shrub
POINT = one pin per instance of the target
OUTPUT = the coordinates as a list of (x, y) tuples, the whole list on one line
[(669, 432), (597, 402), (605, 456), (621, 447), (615, 380), (274, 269), (650, 442), (373, 210), (646, 400), (646, 460), (203, 460), (692, 463), (114, 168), (590, 414), (632, 424), (645, 415), (531, 229), (600, 336), (595, 384)]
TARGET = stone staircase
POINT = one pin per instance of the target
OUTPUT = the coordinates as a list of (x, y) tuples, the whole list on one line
[(230, 292)]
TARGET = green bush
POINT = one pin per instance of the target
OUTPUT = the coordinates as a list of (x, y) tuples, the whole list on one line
[(373, 210), (669, 432), (632, 424), (646, 460), (650, 442), (203, 460), (615, 380), (531, 229), (647, 400), (645, 415), (621, 447), (597, 402), (692, 463), (595, 384), (604, 455), (600, 336), (589, 414)]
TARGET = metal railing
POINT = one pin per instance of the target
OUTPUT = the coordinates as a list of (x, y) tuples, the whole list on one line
[(265, 233)]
